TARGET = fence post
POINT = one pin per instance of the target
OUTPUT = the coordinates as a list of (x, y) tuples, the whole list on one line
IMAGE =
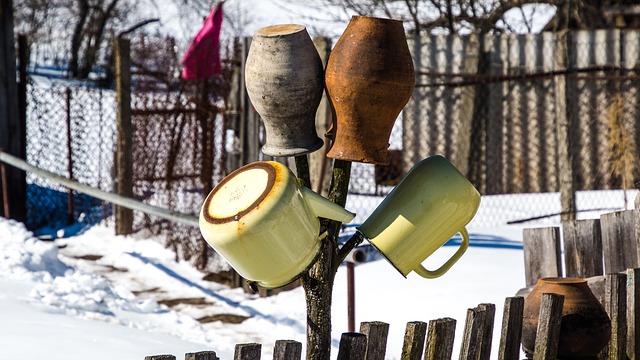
[(511, 328), (287, 350), (474, 328), (247, 351), (440, 337), (541, 253), (202, 355), (160, 357), (619, 240), (616, 295), (633, 313), (376, 333), (548, 331), (70, 217), (353, 346), (12, 122), (582, 248), (414, 337), (565, 120), (124, 154)]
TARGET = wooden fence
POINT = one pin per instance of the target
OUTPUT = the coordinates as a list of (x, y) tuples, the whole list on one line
[(592, 248)]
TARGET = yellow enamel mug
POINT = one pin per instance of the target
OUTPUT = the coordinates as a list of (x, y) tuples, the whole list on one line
[(433, 202), (265, 224)]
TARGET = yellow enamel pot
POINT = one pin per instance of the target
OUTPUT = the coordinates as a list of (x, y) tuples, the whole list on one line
[(433, 202), (264, 224)]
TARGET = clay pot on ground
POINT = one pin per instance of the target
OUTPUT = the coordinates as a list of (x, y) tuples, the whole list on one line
[(369, 79), (585, 328), (284, 79)]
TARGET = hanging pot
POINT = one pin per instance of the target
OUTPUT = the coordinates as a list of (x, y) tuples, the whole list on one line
[(265, 224), (369, 79), (284, 79)]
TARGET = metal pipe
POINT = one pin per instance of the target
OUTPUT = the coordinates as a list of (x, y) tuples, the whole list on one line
[(70, 211), (351, 294), (5, 190), (129, 203)]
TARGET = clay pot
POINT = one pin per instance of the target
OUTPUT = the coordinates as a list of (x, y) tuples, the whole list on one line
[(369, 79), (284, 79), (585, 328)]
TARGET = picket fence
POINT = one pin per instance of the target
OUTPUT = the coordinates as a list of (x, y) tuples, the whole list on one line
[(604, 251)]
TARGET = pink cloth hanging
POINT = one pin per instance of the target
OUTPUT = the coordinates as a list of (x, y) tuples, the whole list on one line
[(202, 59)]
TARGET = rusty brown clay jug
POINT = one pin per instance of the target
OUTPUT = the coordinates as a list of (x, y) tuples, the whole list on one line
[(284, 79), (585, 329), (369, 79)]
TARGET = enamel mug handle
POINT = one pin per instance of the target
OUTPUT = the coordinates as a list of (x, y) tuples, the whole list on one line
[(420, 270)]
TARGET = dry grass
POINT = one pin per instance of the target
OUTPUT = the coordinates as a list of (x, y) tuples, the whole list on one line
[(623, 151)]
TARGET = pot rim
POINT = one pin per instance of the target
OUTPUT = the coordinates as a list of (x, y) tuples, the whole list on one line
[(563, 280)]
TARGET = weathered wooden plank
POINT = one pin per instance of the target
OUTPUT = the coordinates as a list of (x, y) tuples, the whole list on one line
[(414, 339), (541, 253), (548, 331), (201, 355), (473, 334), (353, 346), (250, 351), (160, 357), (376, 333), (582, 248), (440, 338), (616, 290), (287, 350), (487, 332), (633, 314), (511, 334), (619, 241)]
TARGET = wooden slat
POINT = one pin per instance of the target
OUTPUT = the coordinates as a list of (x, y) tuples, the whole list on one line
[(487, 331), (541, 253), (376, 333), (582, 248), (201, 355), (619, 241), (160, 357), (249, 351), (414, 339), (548, 332), (633, 314), (473, 334), (511, 329), (287, 350), (353, 346), (616, 293), (440, 338)]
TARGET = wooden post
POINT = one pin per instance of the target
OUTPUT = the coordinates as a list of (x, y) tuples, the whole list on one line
[(565, 127), (619, 241), (616, 295), (249, 351), (12, 122), (440, 338), (487, 331), (582, 248), (160, 357), (541, 253), (124, 154), (376, 333), (353, 346), (287, 350), (414, 337), (511, 329), (202, 355), (633, 314), (548, 331), (474, 328)]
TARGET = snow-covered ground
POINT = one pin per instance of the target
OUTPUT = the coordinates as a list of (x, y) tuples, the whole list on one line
[(99, 296)]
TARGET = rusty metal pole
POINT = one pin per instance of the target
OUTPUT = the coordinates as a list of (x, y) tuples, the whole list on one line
[(351, 294)]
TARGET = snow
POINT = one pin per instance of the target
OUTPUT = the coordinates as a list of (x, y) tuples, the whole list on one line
[(100, 296)]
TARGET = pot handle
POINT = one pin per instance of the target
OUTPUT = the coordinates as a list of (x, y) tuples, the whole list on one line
[(428, 274)]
